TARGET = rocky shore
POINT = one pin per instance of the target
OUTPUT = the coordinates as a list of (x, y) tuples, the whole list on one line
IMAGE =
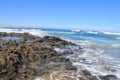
[(27, 57)]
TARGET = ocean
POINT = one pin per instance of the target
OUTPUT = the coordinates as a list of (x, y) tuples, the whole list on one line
[(100, 53)]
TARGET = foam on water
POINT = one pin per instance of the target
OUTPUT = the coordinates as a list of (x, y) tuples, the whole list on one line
[(75, 30), (116, 45), (94, 60), (118, 38), (39, 78), (112, 33), (36, 32), (95, 57), (93, 32)]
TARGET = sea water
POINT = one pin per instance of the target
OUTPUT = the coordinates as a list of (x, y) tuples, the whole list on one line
[(100, 53)]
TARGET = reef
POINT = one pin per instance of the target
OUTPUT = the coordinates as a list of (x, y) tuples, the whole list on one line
[(27, 57)]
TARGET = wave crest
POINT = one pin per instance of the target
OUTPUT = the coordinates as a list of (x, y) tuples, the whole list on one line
[(35, 32)]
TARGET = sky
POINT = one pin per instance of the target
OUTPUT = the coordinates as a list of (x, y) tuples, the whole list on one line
[(68, 14)]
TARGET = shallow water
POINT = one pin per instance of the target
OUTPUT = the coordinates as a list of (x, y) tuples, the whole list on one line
[(17, 39)]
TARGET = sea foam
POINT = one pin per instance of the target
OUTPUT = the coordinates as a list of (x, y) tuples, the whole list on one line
[(112, 33), (35, 32)]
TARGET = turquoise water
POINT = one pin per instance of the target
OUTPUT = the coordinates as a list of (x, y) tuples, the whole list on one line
[(100, 50), (97, 37)]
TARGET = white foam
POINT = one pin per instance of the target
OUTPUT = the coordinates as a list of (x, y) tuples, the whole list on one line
[(75, 30), (92, 32), (95, 60), (113, 33), (116, 45), (36, 32), (118, 38), (38, 78), (60, 50)]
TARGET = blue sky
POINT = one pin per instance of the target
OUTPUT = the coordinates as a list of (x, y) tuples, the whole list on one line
[(70, 14)]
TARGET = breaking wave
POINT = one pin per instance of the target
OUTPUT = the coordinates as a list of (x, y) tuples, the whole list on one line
[(112, 33), (36, 32)]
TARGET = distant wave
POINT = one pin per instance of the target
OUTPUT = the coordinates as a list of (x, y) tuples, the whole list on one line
[(97, 32), (75, 30), (92, 32), (36, 32), (118, 38), (112, 33), (89, 32), (116, 45)]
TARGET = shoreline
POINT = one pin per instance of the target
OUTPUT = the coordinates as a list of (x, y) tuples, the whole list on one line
[(28, 57)]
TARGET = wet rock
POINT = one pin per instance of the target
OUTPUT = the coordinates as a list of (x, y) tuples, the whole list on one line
[(93, 78), (3, 34), (109, 77), (81, 78), (56, 42), (86, 73)]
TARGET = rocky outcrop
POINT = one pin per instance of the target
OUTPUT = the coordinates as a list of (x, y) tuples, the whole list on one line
[(31, 56)]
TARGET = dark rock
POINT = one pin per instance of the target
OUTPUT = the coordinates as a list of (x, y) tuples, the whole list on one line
[(109, 77), (93, 78), (86, 73)]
